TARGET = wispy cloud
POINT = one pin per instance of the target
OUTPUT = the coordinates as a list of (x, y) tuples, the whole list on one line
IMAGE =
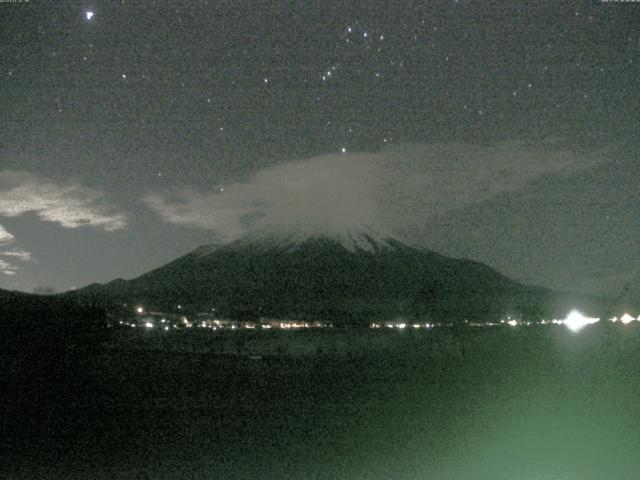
[(7, 268), (68, 204), (388, 190), (6, 241), (5, 237), (18, 253)]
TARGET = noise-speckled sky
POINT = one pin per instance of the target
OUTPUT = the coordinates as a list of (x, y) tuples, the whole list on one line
[(132, 132)]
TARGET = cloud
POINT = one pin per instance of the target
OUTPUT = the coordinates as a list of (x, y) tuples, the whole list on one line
[(7, 268), (5, 237), (18, 253), (67, 204), (388, 190), (9, 251)]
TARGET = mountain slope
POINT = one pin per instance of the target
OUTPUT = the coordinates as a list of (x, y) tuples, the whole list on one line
[(354, 278)]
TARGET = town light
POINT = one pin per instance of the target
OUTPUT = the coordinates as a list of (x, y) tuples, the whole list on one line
[(575, 321), (626, 319)]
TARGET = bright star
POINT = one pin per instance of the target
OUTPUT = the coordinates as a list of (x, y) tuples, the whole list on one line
[(89, 15)]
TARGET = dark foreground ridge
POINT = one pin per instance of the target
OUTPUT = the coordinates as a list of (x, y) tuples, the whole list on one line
[(37, 322), (353, 279)]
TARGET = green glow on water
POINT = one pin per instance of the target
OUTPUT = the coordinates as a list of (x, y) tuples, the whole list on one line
[(502, 404)]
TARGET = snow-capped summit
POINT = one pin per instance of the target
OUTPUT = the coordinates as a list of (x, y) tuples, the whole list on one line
[(272, 239)]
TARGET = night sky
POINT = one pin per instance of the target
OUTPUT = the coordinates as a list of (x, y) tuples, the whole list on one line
[(133, 131)]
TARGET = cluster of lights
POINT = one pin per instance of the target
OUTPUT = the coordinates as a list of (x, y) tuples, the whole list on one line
[(151, 321), (625, 319), (400, 325), (574, 321)]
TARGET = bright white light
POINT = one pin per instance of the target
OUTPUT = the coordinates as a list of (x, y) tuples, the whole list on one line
[(166, 328), (148, 325), (89, 15), (575, 321), (140, 310), (402, 325), (513, 323), (626, 318)]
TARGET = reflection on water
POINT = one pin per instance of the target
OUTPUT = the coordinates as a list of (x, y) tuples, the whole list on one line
[(504, 403)]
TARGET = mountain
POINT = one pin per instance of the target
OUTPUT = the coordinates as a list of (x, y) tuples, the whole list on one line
[(353, 277)]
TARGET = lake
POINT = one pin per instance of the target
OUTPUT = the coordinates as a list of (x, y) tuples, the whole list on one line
[(527, 403)]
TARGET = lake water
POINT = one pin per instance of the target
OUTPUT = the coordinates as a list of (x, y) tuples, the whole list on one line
[(504, 403)]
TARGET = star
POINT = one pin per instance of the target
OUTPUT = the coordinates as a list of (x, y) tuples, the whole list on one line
[(89, 15)]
